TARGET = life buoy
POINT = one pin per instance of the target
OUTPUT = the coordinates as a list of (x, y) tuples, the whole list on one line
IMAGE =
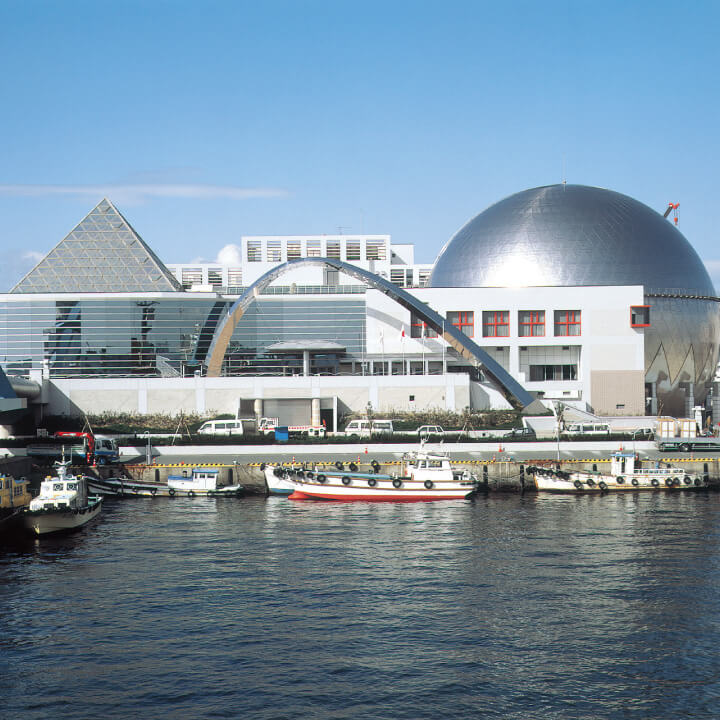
[(602, 485), (372, 482), (321, 478), (428, 484), (655, 482), (171, 492), (345, 480), (578, 484), (635, 482), (339, 465), (397, 483), (353, 467), (620, 480), (375, 465), (191, 493)]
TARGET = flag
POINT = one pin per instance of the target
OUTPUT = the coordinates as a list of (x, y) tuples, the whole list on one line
[(402, 333)]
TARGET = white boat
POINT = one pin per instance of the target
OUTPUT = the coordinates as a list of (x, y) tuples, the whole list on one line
[(63, 504), (424, 475), (201, 481), (626, 474)]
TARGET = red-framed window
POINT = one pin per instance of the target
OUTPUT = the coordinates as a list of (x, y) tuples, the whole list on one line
[(567, 322), (531, 323), (496, 323), (639, 316), (420, 329), (463, 320)]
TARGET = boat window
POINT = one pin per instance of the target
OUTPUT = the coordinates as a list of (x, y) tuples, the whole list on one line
[(435, 463), (57, 487), (72, 486)]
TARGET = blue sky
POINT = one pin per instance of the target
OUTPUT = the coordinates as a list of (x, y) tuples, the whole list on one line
[(205, 121)]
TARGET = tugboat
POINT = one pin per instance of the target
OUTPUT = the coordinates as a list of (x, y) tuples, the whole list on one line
[(63, 504), (423, 476), (626, 474)]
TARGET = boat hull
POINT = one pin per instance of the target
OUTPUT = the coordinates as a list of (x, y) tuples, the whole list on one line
[(115, 487), (383, 490), (46, 522), (582, 483)]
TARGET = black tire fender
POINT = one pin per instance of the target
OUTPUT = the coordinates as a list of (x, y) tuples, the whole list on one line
[(372, 482), (578, 484), (353, 467), (428, 484), (345, 480), (321, 478), (635, 482), (397, 483)]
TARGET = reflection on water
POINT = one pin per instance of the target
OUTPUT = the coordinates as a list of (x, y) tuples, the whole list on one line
[(506, 606)]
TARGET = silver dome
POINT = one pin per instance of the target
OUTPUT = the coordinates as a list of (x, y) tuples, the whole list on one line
[(574, 235), (564, 235)]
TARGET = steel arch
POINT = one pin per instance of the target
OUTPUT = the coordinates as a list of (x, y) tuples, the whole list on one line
[(515, 393)]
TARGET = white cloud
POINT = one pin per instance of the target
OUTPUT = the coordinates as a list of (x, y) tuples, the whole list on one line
[(229, 255), (33, 256), (130, 192)]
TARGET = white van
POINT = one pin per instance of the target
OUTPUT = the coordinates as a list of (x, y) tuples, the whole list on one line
[(364, 428), (221, 427), (587, 429)]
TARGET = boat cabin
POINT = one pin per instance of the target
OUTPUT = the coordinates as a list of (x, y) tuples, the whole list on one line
[(427, 466), (623, 463), (199, 479), (14, 492), (61, 492)]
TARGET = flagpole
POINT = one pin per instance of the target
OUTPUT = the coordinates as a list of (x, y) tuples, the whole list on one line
[(422, 342)]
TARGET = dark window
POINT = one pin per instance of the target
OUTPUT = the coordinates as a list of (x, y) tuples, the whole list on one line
[(419, 329), (640, 316), (539, 373)]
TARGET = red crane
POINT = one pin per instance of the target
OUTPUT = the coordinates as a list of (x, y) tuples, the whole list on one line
[(672, 208)]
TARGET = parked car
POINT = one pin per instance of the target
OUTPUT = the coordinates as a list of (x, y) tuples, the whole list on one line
[(523, 433), (365, 428), (430, 431), (221, 427)]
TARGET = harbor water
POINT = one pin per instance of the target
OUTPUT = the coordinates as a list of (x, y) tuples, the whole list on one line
[(506, 606)]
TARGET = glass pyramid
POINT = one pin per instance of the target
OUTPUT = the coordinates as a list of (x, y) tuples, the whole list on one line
[(101, 254)]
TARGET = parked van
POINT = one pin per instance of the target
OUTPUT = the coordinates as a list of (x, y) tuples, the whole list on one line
[(365, 428), (221, 427), (587, 429)]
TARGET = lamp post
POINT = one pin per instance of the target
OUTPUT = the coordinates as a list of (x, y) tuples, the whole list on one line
[(148, 453)]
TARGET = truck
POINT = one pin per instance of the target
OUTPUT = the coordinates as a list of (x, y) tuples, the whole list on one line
[(268, 425), (75, 446), (682, 434)]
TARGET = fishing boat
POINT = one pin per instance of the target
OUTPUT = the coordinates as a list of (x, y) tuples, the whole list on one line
[(424, 475), (125, 487), (626, 474), (14, 497), (63, 504), (201, 481)]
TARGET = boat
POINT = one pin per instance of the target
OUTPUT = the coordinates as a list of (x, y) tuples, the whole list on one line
[(202, 481), (14, 497), (626, 474), (424, 475), (125, 487), (63, 504)]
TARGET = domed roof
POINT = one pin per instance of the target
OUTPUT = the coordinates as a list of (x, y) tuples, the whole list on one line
[(563, 235)]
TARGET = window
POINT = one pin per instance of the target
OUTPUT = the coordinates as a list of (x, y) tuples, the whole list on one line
[(293, 249), (313, 248), (419, 329), (254, 251), (274, 251), (463, 320), (397, 277), (234, 277), (567, 322), (375, 250), (496, 323), (352, 250), (531, 323), (215, 277), (191, 276), (333, 249), (539, 373), (423, 277), (640, 316)]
